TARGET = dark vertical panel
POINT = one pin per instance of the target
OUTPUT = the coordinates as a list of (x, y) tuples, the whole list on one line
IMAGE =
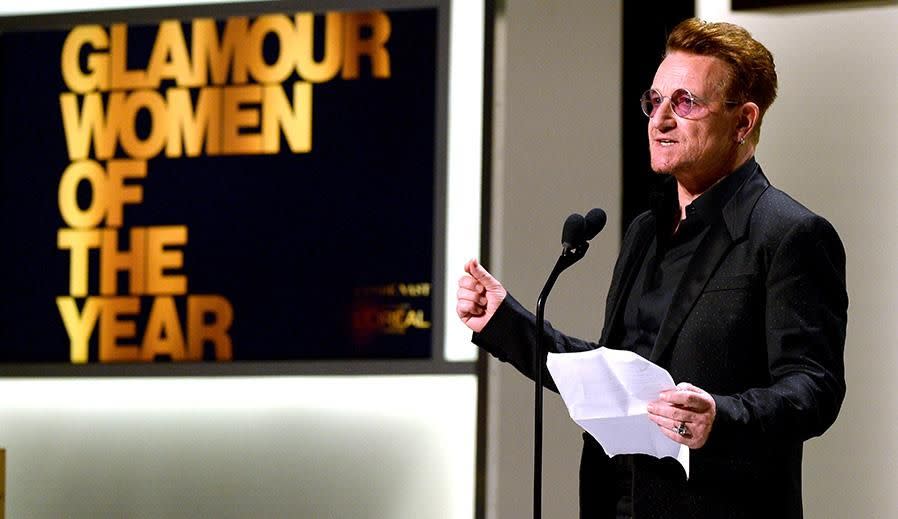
[(645, 29), (490, 8)]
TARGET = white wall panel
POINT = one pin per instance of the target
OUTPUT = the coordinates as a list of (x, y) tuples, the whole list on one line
[(311, 447)]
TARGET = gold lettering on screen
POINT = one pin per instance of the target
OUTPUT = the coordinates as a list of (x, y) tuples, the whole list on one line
[(390, 309), (214, 93), (221, 67)]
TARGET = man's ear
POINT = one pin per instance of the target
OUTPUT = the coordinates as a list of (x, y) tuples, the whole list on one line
[(749, 116)]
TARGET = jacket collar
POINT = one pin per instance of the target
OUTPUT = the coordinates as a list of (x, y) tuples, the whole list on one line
[(728, 225), (704, 209)]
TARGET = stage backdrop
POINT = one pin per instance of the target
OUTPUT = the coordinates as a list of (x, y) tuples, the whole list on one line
[(235, 189)]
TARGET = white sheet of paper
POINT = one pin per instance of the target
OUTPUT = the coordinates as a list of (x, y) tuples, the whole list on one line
[(606, 392)]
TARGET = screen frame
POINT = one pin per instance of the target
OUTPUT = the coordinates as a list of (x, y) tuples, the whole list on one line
[(440, 361)]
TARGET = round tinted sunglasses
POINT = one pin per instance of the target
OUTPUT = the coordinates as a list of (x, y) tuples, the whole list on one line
[(682, 101)]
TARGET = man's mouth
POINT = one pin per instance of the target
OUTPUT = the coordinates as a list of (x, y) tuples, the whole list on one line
[(665, 142)]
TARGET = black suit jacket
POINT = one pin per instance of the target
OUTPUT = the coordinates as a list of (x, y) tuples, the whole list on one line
[(758, 321)]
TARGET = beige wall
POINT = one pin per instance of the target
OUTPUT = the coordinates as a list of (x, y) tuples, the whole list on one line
[(830, 141), (557, 151)]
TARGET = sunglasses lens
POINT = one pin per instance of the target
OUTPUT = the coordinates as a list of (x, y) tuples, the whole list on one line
[(682, 102), (651, 99)]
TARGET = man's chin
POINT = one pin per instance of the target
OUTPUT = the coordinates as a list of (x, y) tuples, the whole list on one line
[(660, 162), (662, 169)]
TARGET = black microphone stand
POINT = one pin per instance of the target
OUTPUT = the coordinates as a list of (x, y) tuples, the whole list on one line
[(569, 256)]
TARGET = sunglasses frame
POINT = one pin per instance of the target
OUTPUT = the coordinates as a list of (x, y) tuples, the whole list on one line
[(681, 93)]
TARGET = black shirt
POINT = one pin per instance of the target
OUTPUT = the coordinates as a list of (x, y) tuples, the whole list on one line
[(669, 255)]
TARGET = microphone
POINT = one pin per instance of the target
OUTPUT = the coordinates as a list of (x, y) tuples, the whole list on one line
[(577, 231), (575, 235), (595, 222), (572, 233)]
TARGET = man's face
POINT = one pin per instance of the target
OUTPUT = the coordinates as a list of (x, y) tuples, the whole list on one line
[(703, 145)]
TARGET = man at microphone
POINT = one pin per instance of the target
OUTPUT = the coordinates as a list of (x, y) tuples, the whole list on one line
[(728, 283)]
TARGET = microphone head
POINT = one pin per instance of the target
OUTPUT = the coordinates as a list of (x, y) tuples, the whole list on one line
[(574, 230), (594, 223)]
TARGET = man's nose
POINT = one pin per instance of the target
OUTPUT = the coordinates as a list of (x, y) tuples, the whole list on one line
[(663, 118)]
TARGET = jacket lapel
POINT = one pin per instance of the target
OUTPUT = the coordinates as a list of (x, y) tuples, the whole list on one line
[(730, 227), (703, 263)]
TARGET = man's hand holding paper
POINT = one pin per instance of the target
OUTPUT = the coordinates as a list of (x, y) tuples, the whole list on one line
[(609, 393), (685, 414)]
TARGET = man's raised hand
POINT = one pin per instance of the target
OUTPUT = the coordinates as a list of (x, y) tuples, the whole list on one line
[(479, 295)]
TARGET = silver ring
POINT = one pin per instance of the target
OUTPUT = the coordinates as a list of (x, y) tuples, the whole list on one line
[(682, 430)]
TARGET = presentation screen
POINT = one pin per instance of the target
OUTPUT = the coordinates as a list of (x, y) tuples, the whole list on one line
[(224, 186)]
